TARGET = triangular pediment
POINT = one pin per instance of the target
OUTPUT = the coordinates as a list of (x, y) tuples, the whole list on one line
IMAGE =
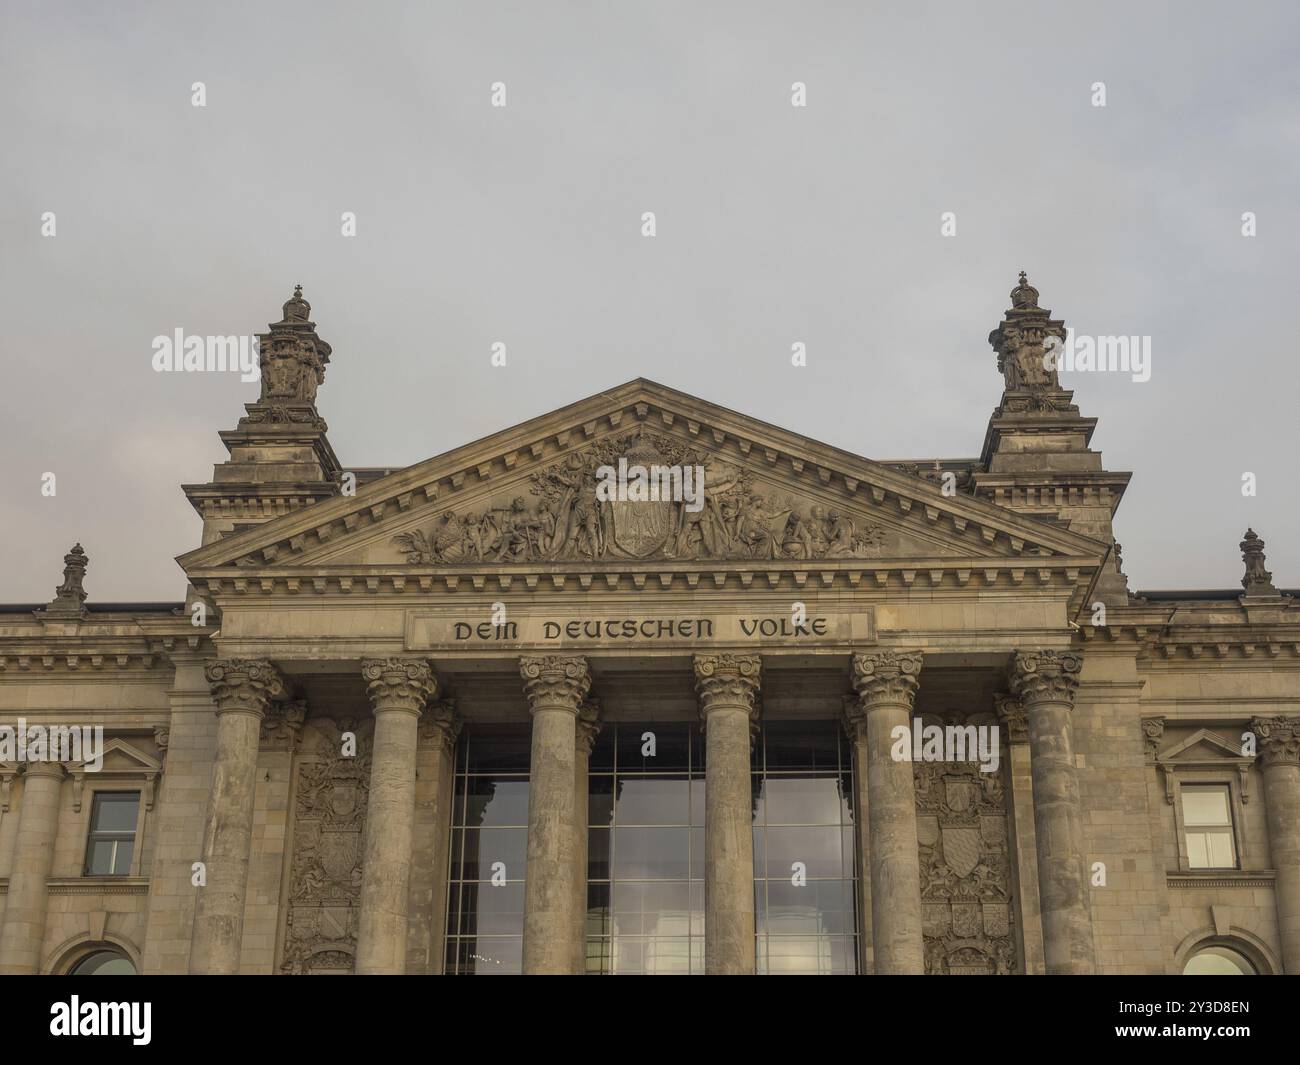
[(1201, 746), (121, 758), (525, 498)]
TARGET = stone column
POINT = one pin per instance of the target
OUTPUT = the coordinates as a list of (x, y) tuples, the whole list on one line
[(1020, 830), (1279, 753), (1045, 682), (728, 685), (886, 683), (434, 780), (588, 728), (556, 686), (23, 930), (242, 690), (398, 690)]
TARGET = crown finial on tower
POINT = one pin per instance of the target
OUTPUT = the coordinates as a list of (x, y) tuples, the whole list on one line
[(296, 309), (293, 359), (1024, 296), (1258, 580), (1022, 343)]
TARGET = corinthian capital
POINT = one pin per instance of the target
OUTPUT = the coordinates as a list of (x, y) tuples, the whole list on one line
[(1279, 739), (555, 682), (1044, 677), (886, 678), (399, 683), (588, 725), (727, 680), (1013, 716), (282, 725), (854, 719), (440, 725), (244, 685)]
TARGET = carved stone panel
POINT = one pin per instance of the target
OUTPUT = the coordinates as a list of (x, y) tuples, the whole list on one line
[(563, 518), (965, 871), (328, 843)]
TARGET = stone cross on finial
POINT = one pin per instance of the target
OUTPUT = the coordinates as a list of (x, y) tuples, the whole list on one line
[(1258, 580), (70, 595), (1024, 297)]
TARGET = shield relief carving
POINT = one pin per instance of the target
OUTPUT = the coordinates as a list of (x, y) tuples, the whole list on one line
[(965, 873)]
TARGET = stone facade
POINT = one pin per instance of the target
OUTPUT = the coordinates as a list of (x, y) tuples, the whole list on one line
[(292, 729)]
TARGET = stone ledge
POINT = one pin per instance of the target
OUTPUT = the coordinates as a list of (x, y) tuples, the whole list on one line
[(91, 885), (1217, 880)]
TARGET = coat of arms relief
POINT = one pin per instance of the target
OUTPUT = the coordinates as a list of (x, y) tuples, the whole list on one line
[(328, 844), (965, 870), (562, 518)]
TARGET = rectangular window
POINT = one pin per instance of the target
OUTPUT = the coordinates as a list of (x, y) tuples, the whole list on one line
[(112, 833), (804, 863), (489, 851), (645, 850), (1207, 817)]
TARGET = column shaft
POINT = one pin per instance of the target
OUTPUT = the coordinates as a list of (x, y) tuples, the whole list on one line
[(242, 690), (886, 683), (23, 930), (727, 686), (398, 689), (1279, 748), (555, 686), (1045, 682)]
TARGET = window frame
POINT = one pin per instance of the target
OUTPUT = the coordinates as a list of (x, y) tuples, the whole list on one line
[(98, 792), (1203, 778)]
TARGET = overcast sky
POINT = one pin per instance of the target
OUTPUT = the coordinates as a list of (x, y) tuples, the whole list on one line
[(521, 224)]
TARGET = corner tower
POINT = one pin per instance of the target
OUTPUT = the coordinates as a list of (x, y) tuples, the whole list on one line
[(1036, 458), (280, 458)]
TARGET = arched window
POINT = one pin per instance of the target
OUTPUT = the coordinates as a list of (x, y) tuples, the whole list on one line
[(1217, 960), (104, 963)]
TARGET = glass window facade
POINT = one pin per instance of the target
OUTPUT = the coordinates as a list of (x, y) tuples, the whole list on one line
[(489, 846), (111, 842), (804, 862), (645, 857), (645, 860)]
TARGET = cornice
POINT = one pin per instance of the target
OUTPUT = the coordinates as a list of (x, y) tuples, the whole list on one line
[(1029, 491), (91, 652), (82, 660), (1154, 639), (1059, 575)]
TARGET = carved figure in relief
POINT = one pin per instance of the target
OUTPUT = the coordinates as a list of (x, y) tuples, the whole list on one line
[(566, 519), (841, 535)]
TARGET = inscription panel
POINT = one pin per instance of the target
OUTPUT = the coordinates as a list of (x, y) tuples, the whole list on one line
[(641, 632)]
